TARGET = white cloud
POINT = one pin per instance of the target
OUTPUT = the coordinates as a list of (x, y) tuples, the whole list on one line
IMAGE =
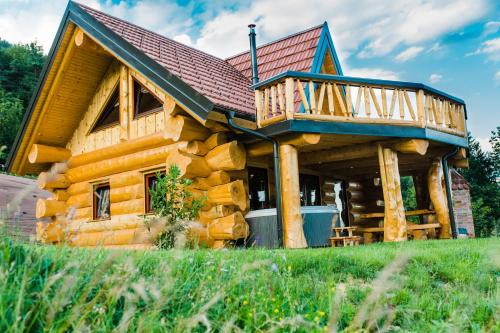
[(491, 48), (184, 39), (409, 53), (374, 73), (497, 76), (434, 78), (484, 143), (382, 28), (491, 28), (436, 47), (359, 27), (29, 20)]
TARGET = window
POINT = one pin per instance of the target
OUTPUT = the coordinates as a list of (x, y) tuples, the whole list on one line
[(110, 115), (144, 101), (258, 188), (309, 190), (150, 180), (101, 202)]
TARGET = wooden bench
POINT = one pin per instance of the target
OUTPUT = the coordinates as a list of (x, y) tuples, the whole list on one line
[(417, 212), (344, 241), (419, 231)]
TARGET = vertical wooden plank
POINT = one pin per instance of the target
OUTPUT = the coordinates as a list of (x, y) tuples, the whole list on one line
[(290, 97), (331, 104), (302, 94), (358, 101), (452, 115), (109, 136), (393, 104), (293, 231), (150, 124), (133, 129), (384, 103), (446, 113), (367, 102), (273, 101), (410, 107), (141, 126), (321, 98), (438, 115), (258, 106), (281, 99), (340, 99), (349, 99), (265, 114), (123, 103), (312, 98), (375, 103), (420, 107), (401, 105), (160, 122)]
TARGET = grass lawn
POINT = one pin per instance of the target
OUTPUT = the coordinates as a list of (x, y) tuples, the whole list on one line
[(431, 286)]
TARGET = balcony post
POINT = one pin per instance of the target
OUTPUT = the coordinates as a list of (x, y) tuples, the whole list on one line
[(293, 231), (420, 108), (258, 107), (394, 215), (289, 97)]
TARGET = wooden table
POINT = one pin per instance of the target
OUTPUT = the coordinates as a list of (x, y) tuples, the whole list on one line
[(339, 230), (340, 240)]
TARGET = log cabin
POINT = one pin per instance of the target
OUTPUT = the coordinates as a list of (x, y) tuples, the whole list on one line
[(281, 143)]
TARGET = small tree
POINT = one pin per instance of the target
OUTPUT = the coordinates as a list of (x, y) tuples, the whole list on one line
[(173, 205)]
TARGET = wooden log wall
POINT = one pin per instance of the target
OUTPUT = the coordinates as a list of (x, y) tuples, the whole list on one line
[(121, 156)]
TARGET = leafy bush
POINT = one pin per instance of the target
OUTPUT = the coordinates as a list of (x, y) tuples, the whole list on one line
[(174, 205)]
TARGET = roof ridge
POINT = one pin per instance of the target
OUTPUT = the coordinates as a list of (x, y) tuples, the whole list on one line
[(278, 40), (148, 30)]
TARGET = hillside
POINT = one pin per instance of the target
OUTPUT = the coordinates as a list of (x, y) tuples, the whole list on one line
[(425, 286)]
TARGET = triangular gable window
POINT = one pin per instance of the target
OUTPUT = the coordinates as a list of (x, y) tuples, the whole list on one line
[(144, 101), (110, 116)]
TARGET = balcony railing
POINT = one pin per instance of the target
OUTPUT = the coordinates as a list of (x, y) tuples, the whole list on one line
[(321, 97)]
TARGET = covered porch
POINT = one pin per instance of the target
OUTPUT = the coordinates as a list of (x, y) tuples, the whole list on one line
[(358, 137)]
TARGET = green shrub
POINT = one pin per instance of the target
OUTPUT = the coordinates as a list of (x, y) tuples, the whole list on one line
[(173, 205)]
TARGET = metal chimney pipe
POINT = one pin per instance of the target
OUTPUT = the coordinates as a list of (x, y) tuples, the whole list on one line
[(253, 54)]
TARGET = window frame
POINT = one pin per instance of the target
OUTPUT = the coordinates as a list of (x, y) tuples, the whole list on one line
[(107, 109), (95, 200), (147, 196), (135, 100)]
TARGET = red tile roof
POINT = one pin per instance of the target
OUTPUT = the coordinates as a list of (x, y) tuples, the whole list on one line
[(295, 53), (224, 82)]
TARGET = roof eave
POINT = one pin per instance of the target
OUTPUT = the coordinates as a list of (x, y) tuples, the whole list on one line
[(184, 94)]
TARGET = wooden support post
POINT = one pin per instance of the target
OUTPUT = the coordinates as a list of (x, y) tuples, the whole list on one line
[(394, 219), (438, 198), (124, 120), (292, 220)]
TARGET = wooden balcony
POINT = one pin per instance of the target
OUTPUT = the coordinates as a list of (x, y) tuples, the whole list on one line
[(332, 98)]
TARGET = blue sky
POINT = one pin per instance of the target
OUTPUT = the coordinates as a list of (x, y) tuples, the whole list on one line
[(453, 45)]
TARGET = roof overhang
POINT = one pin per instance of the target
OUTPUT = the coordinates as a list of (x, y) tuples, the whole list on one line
[(187, 97)]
